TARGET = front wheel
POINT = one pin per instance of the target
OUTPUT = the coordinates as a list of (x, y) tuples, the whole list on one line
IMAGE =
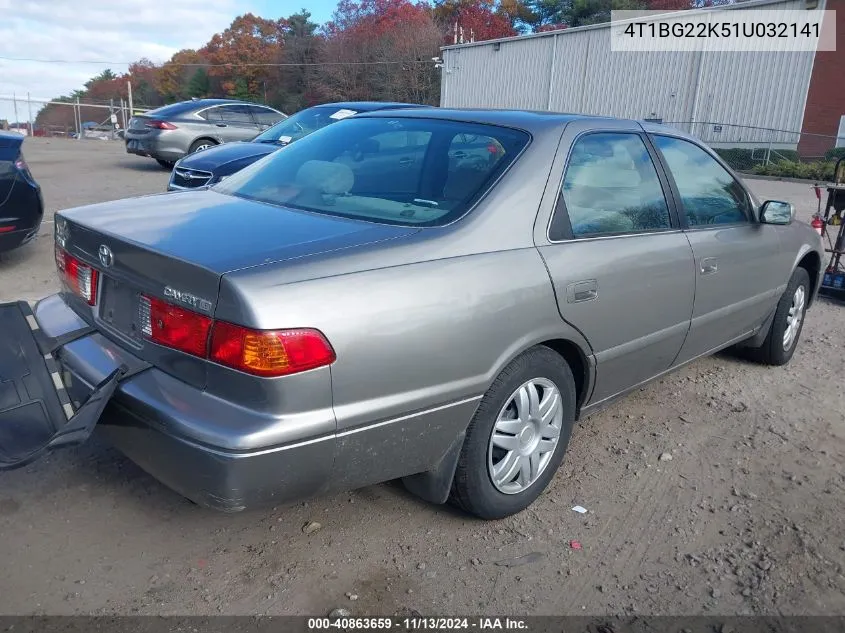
[(518, 436), (788, 322)]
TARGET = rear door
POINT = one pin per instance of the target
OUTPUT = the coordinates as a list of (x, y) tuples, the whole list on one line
[(738, 266), (621, 267), (232, 122)]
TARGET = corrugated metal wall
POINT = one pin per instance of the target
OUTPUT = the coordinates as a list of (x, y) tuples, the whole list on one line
[(575, 71)]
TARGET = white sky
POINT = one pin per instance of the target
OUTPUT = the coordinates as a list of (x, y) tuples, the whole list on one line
[(95, 30)]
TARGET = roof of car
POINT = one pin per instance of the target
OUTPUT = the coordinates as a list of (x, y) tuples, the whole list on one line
[(195, 104), (370, 106), (530, 120), (208, 102)]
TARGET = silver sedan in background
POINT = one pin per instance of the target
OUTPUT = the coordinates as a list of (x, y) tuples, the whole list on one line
[(170, 132), (431, 295)]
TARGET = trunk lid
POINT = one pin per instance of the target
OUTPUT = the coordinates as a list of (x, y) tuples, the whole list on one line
[(178, 246), (137, 124)]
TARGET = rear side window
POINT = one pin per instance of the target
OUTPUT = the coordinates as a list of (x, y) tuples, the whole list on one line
[(389, 170), (235, 114), (211, 114), (227, 114), (709, 194), (611, 187), (265, 116)]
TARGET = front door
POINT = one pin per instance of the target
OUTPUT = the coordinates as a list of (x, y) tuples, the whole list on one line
[(738, 268), (621, 267)]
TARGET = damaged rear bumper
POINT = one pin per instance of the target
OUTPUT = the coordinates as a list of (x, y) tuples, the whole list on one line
[(163, 424)]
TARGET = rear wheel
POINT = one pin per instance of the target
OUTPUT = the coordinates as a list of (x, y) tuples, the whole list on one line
[(167, 164), (788, 322), (518, 436), (201, 144)]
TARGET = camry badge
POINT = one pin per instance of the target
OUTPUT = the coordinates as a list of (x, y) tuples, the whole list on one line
[(188, 299)]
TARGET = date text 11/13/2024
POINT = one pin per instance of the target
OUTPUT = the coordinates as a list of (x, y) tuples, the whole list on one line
[(352, 623)]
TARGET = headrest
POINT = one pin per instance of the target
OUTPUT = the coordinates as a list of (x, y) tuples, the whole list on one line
[(325, 177)]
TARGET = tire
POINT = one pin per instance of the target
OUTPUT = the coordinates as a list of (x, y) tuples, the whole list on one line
[(775, 350), (473, 488), (200, 145), (167, 164)]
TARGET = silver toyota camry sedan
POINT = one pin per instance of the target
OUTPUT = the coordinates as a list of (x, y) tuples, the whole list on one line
[(432, 295)]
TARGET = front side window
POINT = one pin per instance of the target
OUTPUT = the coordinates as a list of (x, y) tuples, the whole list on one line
[(611, 187), (390, 170), (709, 194)]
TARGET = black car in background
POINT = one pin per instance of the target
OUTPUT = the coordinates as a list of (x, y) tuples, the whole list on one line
[(213, 164), (21, 204)]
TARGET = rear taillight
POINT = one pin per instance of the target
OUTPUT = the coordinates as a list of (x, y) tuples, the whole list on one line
[(175, 327), (159, 125), (264, 353), (81, 278), (269, 353), (21, 165)]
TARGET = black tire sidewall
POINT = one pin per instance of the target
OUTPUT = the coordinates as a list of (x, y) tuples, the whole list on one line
[(472, 489), (196, 145), (775, 354)]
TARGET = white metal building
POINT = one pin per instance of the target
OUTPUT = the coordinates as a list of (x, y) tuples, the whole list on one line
[(574, 70)]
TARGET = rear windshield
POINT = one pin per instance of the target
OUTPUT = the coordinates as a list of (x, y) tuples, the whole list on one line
[(173, 108), (423, 172)]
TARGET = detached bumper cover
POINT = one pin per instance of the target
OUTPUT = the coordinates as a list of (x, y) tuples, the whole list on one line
[(164, 425), (36, 414)]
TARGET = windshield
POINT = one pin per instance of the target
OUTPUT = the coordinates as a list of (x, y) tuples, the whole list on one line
[(424, 172), (302, 124)]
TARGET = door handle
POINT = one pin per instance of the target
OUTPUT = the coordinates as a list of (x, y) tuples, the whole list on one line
[(405, 161), (459, 154), (221, 125), (709, 265), (581, 291)]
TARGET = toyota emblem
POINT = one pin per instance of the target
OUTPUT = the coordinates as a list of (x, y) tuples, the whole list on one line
[(106, 256)]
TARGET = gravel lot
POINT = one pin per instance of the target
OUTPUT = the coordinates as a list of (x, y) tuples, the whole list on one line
[(745, 518)]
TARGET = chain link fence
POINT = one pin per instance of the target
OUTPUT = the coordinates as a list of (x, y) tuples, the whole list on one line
[(768, 151), (78, 119)]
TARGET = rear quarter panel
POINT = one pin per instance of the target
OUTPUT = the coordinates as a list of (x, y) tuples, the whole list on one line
[(417, 346)]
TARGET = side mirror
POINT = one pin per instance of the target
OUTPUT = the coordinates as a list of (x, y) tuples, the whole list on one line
[(777, 212)]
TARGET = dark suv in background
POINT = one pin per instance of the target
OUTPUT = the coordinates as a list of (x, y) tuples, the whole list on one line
[(173, 131), (21, 204)]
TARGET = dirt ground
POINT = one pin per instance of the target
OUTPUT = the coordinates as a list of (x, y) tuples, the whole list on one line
[(745, 518)]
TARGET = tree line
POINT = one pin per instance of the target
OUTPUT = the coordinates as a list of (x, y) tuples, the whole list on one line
[(378, 50)]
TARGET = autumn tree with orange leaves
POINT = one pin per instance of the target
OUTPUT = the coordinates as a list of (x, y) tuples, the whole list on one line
[(370, 50), (241, 57)]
